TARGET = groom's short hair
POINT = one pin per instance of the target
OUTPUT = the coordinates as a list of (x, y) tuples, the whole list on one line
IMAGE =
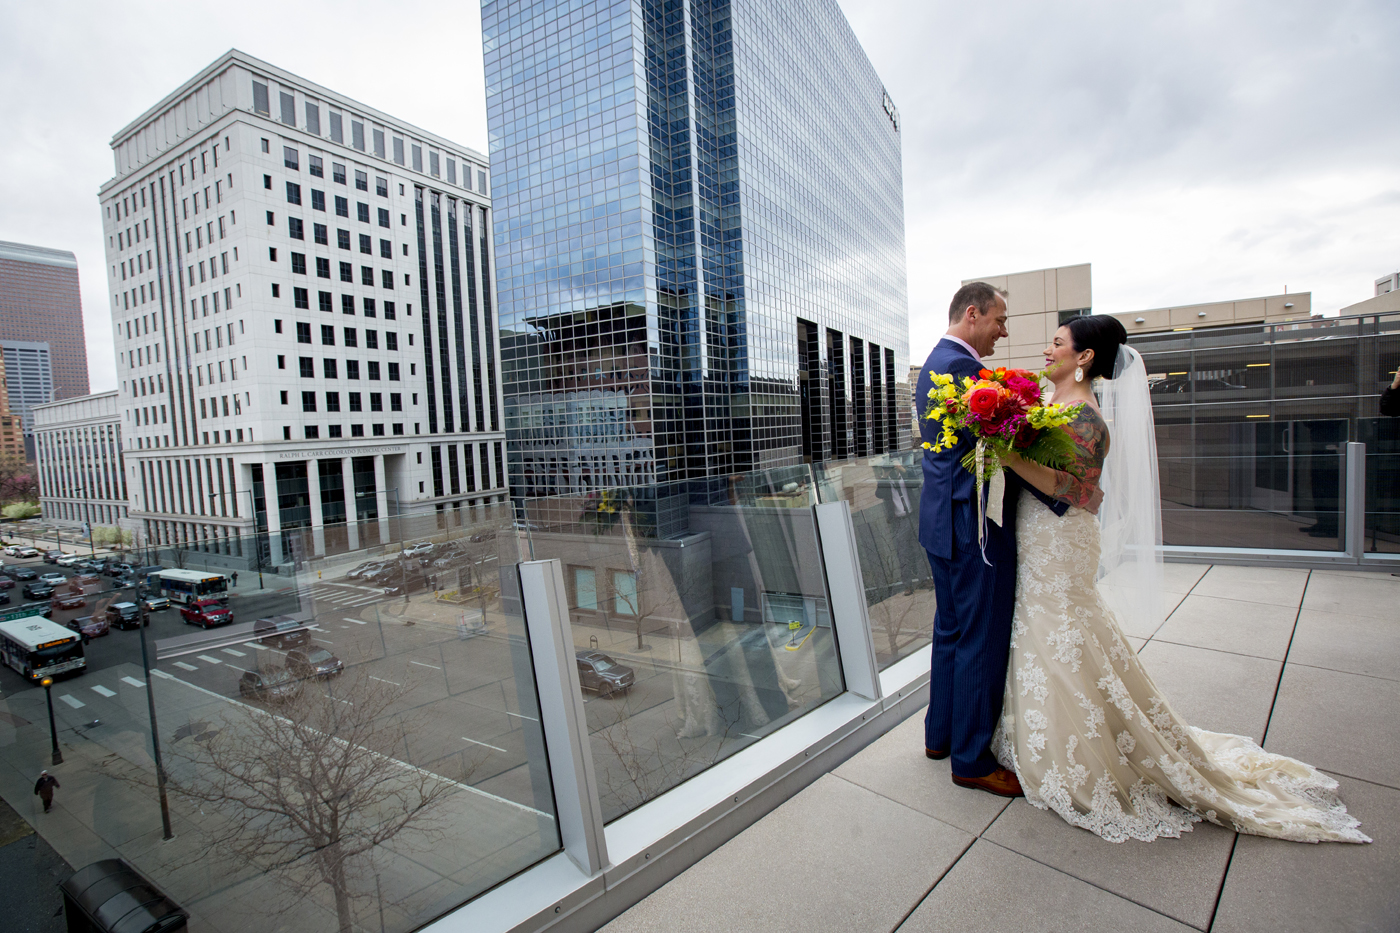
[(981, 294)]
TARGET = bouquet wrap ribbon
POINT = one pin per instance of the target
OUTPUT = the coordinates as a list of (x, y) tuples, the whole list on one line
[(996, 492)]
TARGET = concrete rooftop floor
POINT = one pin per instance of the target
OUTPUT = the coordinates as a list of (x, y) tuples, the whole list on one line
[(1306, 662)]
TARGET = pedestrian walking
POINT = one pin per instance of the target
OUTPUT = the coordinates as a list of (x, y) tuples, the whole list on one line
[(235, 578), (1390, 398), (45, 787)]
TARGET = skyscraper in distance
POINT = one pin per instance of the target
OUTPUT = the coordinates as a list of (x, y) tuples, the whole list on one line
[(700, 237)]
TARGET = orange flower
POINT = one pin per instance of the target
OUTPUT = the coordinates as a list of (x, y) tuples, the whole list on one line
[(985, 374)]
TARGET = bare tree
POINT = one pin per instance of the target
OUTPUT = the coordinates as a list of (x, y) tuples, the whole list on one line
[(311, 788)]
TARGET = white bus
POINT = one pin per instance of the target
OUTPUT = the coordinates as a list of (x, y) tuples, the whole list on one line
[(186, 586), (37, 648)]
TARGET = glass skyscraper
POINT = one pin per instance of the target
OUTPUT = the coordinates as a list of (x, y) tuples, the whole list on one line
[(700, 237)]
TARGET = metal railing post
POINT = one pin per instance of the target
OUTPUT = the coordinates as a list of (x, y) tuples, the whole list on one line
[(562, 717), (1356, 501), (846, 586)]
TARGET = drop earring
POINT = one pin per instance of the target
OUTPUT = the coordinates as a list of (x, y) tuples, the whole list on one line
[(1079, 374)]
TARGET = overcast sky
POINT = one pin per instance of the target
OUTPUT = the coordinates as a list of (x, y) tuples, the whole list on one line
[(1191, 151)]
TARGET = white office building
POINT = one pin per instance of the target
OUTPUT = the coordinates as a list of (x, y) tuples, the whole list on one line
[(302, 307), (78, 447)]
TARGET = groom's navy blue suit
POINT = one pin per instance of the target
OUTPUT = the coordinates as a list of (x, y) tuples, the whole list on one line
[(972, 629)]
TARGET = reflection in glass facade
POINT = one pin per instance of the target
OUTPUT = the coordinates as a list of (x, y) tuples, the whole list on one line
[(700, 238)]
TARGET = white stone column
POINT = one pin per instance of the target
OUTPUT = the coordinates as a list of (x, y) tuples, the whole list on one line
[(382, 498), (352, 519), (313, 491), (273, 514)]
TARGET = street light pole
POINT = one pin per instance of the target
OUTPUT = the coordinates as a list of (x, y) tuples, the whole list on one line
[(151, 709), (53, 728), (403, 567)]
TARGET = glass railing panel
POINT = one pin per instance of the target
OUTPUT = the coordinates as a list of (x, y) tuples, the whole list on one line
[(700, 620), (883, 493), (1382, 439), (358, 747)]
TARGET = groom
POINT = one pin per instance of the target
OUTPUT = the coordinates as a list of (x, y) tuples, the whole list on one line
[(972, 628)]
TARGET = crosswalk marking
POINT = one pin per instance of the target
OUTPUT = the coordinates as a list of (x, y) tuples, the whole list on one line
[(236, 654), (133, 681), (184, 667), (259, 647), (72, 701), (208, 660), (356, 621), (160, 673), (99, 689)]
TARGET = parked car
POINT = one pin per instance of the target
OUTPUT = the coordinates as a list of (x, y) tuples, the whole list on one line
[(115, 569), (367, 567), (70, 560), (84, 580), (409, 582), (602, 675), (93, 566), (91, 626), (22, 573), (317, 662), (390, 572), (26, 552), (275, 685), (7, 583), (206, 612), (52, 579), (37, 590), (156, 603), (124, 615), (51, 557), (124, 582), (4, 598), (68, 601), (420, 550), (11, 550), (282, 632)]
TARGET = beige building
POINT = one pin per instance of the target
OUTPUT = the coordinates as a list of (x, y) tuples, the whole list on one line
[(1038, 302)]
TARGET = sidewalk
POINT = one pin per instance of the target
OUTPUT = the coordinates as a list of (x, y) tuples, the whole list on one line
[(1305, 661), (32, 871)]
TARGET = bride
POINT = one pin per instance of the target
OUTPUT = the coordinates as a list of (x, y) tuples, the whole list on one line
[(1083, 726)]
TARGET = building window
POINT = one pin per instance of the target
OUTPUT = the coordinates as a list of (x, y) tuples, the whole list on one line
[(318, 200), (298, 263), (397, 428), (333, 430), (276, 327), (286, 432), (350, 338), (361, 180), (332, 401), (376, 401), (267, 183), (417, 158), (396, 401), (585, 588), (369, 306), (391, 341), (367, 273), (293, 193), (342, 239), (312, 432), (283, 395), (398, 150), (324, 298), (328, 367), (352, 369), (347, 304), (308, 401), (327, 335), (337, 134), (389, 310), (362, 212), (377, 430), (433, 164), (354, 400), (379, 143), (367, 247), (300, 298), (260, 104), (294, 228), (373, 367), (452, 171), (381, 186), (357, 135), (342, 206), (347, 272), (337, 170), (303, 332), (371, 339), (323, 268), (321, 234), (624, 583), (393, 372), (308, 367), (314, 165), (281, 361), (276, 293), (289, 158), (357, 430)]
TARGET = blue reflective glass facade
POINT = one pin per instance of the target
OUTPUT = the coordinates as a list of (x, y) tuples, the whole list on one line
[(700, 238)]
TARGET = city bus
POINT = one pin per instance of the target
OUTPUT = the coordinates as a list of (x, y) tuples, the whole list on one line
[(186, 586), (37, 648)]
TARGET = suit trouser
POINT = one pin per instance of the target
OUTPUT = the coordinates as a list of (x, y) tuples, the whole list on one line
[(971, 643)]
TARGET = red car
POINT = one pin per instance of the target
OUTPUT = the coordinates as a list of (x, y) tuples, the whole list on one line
[(6, 583), (206, 612), (67, 601), (91, 626)]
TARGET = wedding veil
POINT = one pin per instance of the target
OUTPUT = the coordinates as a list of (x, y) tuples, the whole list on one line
[(1130, 519)]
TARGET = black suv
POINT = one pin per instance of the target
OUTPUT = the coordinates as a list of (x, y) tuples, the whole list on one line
[(37, 590), (602, 675)]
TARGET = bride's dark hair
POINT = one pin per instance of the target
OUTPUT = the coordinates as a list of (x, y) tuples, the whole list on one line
[(1102, 334)]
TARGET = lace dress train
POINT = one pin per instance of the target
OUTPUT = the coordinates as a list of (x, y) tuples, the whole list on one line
[(1092, 738)]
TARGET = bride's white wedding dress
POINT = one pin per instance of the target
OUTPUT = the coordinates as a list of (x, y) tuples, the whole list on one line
[(1087, 731)]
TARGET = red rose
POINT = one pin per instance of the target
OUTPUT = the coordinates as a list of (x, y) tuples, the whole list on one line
[(983, 401), (1027, 390)]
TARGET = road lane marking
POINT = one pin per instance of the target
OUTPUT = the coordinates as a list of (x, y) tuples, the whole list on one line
[(184, 667), (103, 691), (518, 716), (243, 669), (133, 681), (421, 664), (160, 673), (72, 701), (208, 660), (475, 742), (356, 621), (383, 681), (259, 647), (236, 654)]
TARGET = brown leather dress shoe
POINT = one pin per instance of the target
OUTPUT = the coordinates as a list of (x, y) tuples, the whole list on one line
[(1001, 782), (936, 755)]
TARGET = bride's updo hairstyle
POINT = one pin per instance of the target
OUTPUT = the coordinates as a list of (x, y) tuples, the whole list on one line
[(1102, 334)]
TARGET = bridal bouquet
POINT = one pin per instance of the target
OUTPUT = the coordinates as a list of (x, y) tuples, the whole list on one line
[(1003, 412)]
